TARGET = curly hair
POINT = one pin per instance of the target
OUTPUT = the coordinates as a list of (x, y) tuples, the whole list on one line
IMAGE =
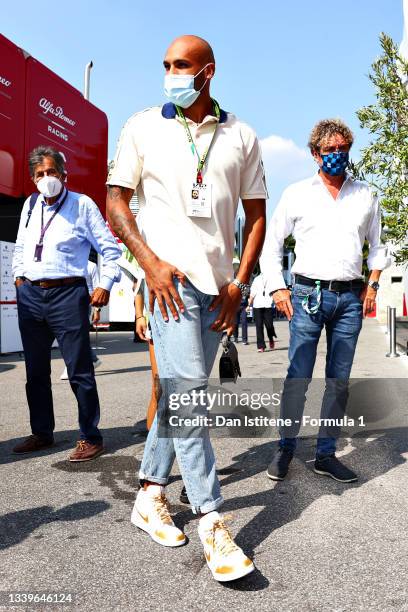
[(324, 129)]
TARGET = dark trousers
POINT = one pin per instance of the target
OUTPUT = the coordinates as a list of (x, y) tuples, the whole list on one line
[(263, 316), (242, 319), (61, 313)]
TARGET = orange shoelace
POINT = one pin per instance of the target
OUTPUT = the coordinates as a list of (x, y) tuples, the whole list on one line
[(161, 506)]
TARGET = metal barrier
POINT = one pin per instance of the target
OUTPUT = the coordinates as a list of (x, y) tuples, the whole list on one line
[(387, 331), (392, 330)]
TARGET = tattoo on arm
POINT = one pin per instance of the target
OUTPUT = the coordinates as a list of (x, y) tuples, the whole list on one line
[(116, 193), (124, 225)]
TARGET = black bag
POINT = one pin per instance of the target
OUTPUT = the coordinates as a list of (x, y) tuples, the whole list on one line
[(229, 364)]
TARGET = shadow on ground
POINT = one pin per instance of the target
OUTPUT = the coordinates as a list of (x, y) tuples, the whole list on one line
[(280, 503), (115, 438), (17, 526)]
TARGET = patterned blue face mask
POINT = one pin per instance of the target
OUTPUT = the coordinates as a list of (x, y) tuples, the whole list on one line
[(335, 164)]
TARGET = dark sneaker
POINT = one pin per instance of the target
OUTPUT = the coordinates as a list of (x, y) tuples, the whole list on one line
[(331, 466), (279, 466), (85, 451), (32, 444), (183, 496)]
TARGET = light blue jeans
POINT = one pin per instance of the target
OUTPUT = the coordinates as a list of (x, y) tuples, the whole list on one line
[(185, 350)]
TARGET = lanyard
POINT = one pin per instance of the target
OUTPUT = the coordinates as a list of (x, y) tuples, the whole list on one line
[(56, 211), (305, 302), (201, 158)]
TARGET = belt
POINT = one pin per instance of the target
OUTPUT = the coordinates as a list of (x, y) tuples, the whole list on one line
[(49, 283), (332, 285)]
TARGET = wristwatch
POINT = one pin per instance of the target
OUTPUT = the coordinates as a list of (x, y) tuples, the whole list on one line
[(374, 285), (243, 287)]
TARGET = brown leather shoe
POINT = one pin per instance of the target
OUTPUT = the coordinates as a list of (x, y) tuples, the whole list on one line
[(85, 451), (33, 443)]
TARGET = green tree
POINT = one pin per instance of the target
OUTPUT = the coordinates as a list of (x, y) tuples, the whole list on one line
[(384, 162)]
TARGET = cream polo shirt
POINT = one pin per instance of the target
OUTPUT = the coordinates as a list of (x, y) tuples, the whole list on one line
[(154, 157)]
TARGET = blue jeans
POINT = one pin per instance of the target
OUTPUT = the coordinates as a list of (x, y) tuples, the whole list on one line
[(341, 315), (61, 313), (185, 349)]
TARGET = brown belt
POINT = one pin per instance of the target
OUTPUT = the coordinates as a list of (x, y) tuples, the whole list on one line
[(55, 282)]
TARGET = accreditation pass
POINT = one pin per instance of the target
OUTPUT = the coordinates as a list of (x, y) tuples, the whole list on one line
[(200, 203)]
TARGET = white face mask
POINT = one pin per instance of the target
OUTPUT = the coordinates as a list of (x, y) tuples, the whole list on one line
[(179, 88), (49, 186)]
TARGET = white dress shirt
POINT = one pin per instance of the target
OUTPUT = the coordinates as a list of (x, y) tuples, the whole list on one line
[(329, 232), (155, 158), (77, 226), (259, 293)]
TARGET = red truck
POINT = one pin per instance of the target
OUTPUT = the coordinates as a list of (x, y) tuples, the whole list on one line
[(37, 107)]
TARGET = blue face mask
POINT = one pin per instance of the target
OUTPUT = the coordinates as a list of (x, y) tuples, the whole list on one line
[(335, 164), (179, 88)]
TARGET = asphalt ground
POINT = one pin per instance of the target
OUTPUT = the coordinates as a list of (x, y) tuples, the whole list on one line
[(318, 545)]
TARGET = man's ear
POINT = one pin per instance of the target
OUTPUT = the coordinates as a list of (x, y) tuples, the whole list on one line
[(210, 70), (317, 157)]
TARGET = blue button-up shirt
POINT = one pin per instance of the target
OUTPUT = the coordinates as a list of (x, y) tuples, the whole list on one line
[(67, 242)]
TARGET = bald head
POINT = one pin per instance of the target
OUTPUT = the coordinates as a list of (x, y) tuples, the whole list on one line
[(193, 48), (192, 55)]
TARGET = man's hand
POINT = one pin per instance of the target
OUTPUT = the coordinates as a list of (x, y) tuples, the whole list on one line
[(159, 279), (229, 299), (100, 297), (141, 328), (18, 282), (368, 297), (283, 302)]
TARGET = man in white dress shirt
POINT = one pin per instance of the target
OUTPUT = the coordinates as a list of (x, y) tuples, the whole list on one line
[(330, 215)]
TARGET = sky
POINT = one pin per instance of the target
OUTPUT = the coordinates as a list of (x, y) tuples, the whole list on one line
[(281, 64)]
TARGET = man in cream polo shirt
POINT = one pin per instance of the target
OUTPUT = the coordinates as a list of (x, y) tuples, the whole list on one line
[(190, 162)]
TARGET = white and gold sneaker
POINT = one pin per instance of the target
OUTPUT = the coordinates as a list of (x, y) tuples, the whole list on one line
[(224, 558), (151, 513)]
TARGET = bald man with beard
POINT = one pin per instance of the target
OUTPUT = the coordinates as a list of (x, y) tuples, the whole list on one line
[(190, 162)]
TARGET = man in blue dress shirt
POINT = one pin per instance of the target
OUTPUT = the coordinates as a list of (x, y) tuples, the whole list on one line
[(57, 230)]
